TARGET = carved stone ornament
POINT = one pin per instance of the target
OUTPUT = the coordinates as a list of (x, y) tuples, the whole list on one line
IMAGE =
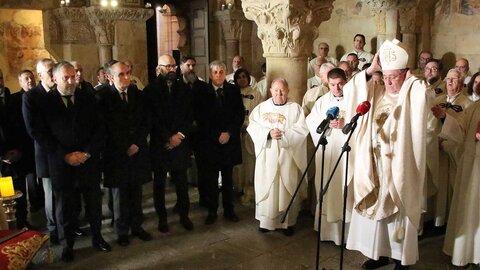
[(232, 21), (287, 28), (381, 4), (407, 19), (380, 15), (84, 24)]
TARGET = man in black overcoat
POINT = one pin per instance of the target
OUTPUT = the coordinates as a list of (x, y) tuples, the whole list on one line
[(171, 107), (219, 116), (126, 156), (74, 137)]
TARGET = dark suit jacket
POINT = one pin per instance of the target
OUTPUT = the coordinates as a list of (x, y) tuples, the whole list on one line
[(17, 134), (213, 119), (171, 112), (32, 108), (86, 86), (126, 124), (77, 128)]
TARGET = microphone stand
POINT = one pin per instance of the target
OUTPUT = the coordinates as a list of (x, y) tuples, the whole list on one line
[(323, 142), (346, 148)]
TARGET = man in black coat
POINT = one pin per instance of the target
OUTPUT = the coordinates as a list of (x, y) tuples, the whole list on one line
[(21, 151), (74, 138), (171, 107), (126, 156), (32, 108), (219, 116)]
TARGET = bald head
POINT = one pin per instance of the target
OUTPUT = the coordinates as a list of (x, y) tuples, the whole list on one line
[(166, 64)]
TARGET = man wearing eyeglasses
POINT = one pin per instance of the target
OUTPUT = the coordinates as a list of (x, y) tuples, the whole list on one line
[(423, 58), (170, 105), (388, 154), (432, 74)]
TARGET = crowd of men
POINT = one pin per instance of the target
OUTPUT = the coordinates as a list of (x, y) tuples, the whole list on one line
[(414, 154)]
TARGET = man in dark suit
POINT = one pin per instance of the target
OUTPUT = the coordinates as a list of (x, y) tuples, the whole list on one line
[(74, 137), (32, 108), (21, 152), (171, 108), (82, 84), (198, 88), (126, 157), (220, 115)]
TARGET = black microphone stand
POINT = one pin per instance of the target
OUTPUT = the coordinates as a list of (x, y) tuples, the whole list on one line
[(346, 148), (323, 142)]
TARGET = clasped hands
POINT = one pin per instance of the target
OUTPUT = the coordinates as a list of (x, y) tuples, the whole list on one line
[(438, 111), (337, 123), (276, 134), (174, 141), (76, 158)]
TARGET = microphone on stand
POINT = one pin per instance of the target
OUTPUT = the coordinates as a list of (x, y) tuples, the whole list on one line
[(331, 114), (361, 110)]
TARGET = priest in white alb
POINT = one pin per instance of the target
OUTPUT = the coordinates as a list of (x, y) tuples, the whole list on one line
[(332, 213), (278, 130), (388, 160)]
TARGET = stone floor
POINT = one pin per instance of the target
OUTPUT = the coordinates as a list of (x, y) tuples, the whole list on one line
[(224, 245)]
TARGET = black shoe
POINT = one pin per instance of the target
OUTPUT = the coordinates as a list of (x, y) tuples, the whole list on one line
[(123, 240), (163, 227), (374, 264), (101, 245), (67, 254), (79, 232), (186, 223), (142, 234), (399, 266), (289, 231), (262, 230), (231, 216), (211, 218), (54, 239)]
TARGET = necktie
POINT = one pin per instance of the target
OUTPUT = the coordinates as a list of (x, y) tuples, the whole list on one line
[(69, 100), (220, 96), (124, 96)]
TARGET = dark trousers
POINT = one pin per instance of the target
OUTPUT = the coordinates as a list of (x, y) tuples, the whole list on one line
[(211, 175), (20, 183), (35, 192), (179, 178), (127, 208), (92, 199), (65, 217), (202, 181)]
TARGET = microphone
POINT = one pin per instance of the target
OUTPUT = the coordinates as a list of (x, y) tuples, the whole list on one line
[(361, 110), (331, 114)]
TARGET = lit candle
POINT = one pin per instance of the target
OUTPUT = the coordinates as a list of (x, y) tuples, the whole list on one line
[(6, 187)]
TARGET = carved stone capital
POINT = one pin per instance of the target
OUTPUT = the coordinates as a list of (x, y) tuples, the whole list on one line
[(380, 22), (232, 22), (103, 20), (382, 4), (73, 25), (407, 19), (287, 28)]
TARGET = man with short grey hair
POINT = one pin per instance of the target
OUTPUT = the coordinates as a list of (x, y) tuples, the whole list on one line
[(219, 116)]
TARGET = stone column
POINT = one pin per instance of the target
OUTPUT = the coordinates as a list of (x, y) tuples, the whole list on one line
[(409, 38), (233, 22), (103, 22), (386, 17), (287, 29)]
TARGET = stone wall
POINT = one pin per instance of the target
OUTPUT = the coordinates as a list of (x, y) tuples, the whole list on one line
[(349, 17), (21, 43), (454, 32)]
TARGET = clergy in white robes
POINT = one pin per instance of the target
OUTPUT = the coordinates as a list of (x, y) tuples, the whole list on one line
[(243, 173), (322, 53), (332, 210), (279, 132), (455, 104), (388, 160), (317, 91), (462, 240), (363, 56)]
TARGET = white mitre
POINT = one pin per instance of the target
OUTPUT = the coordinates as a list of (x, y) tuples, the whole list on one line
[(393, 56)]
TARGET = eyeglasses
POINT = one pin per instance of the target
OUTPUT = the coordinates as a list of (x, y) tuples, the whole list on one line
[(169, 66), (452, 79), (391, 78), (433, 69)]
